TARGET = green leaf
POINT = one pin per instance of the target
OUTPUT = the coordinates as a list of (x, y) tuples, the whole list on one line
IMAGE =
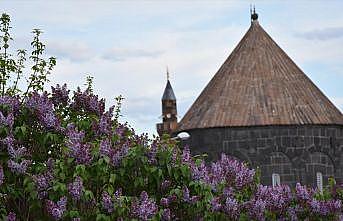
[(102, 217), (113, 177)]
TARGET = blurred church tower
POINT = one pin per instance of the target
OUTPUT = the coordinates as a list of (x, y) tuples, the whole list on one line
[(169, 111)]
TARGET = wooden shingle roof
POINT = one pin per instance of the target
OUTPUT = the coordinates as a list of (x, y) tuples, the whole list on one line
[(259, 84)]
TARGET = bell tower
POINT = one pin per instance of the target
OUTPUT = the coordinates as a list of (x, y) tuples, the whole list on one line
[(169, 111)]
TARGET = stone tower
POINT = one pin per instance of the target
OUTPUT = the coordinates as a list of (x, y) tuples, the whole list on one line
[(169, 111), (261, 108)]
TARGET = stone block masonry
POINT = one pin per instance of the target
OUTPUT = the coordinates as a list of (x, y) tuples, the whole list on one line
[(296, 153)]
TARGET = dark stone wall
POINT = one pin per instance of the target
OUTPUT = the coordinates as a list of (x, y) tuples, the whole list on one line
[(297, 153)]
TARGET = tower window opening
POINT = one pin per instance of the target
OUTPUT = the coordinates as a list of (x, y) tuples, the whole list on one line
[(276, 179), (319, 176)]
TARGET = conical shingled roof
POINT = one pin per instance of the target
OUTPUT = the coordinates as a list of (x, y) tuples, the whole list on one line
[(259, 85), (168, 93)]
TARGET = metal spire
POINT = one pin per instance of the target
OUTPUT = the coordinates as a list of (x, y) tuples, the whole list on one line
[(167, 74), (253, 14)]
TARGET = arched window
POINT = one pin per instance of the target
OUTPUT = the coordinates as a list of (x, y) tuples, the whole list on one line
[(276, 179), (319, 176), (183, 135)]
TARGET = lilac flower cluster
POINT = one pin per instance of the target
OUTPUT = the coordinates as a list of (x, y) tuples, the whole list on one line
[(2, 175), (151, 154), (19, 168), (303, 193), (306, 199), (256, 209), (88, 102), (324, 208), (187, 198), (105, 123), (77, 149), (231, 208), (115, 154), (165, 185), (108, 203), (227, 204), (75, 188), (16, 163), (60, 95), (11, 216), (276, 198), (42, 107), (8, 120), (56, 210), (145, 208), (14, 151), (43, 183), (228, 170), (12, 102)]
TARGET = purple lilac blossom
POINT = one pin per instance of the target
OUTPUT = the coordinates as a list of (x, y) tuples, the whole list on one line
[(200, 172), (231, 171), (7, 121), (256, 209), (60, 95), (145, 208), (88, 102), (56, 210), (12, 102), (277, 198), (165, 184), (324, 208), (164, 202), (231, 208), (2, 175), (77, 149), (75, 188), (11, 216), (42, 107), (120, 130), (43, 183), (105, 148), (292, 215), (16, 153), (186, 155), (115, 155), (119, 154), (151, 154), (172, 198), (303, 193), (187, 198), (166, 215), (19, 168), (117, 196), (107, 202), (105, 123), (215, 204)]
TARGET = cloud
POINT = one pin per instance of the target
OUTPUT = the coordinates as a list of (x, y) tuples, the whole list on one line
[(323, 34), (76, 51), (121, 54)]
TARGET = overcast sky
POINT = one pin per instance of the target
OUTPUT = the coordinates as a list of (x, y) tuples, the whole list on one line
[(126, 45)]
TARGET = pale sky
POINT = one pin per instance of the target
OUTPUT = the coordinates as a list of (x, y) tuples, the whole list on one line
[(126, 45)]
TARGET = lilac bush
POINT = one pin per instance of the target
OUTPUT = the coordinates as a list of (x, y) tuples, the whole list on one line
[(64, 156)]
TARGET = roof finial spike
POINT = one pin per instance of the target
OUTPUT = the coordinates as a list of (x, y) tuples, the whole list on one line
[(254, 15), (167, 74)]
